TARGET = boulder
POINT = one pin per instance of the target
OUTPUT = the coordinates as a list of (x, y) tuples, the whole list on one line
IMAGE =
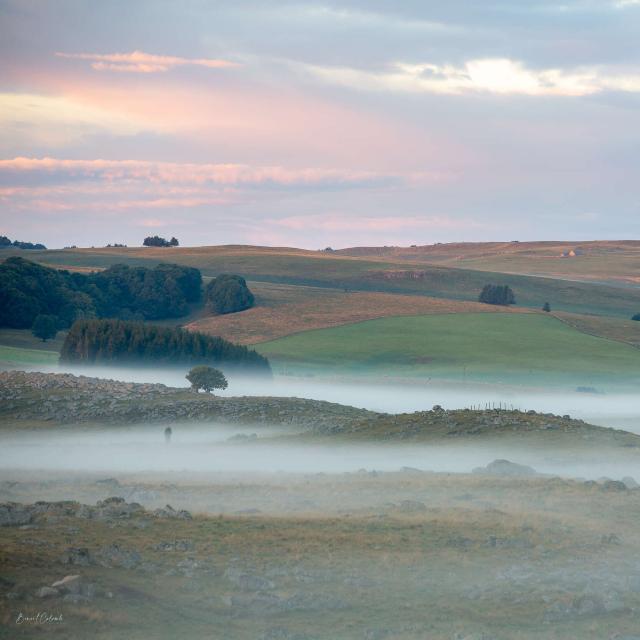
[(170, 513), (115, 556), (13, 514), (68, 584), (47, 592), (506, 468), (78, 556), (612, 485), (412, 506)]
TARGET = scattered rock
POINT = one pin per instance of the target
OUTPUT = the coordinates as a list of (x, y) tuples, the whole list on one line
[(13, 514), (78, 556), (243, 437), (47, 592), (170, 513), (586, 605), (175, 545), (412, 506), (115, 556), (247, 581), (612, 485), (279, 633)]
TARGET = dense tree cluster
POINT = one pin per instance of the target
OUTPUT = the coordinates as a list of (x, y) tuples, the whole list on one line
[(228, 293), (497, 294), (103, 341), (157, 241), (28, 289), (5, 243)]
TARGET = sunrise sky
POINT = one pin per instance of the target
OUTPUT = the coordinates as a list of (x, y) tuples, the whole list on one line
[(321, 123)]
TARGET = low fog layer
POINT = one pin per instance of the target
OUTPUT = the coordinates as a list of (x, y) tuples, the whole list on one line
[(212, 448), (617, 410)]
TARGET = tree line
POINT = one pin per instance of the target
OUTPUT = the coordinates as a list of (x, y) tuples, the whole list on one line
[(158, 241), (5, 243), (107, 341), (28, 290)]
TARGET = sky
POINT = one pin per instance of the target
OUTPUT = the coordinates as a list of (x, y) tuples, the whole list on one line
[(315, 124)]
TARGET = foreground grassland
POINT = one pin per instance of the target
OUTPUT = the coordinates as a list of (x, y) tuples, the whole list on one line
[(435, 556), (457, 345)]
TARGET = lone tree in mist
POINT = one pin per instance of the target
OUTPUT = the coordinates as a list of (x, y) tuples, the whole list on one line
[(45, 327), (206, 378), (546, 307), (497, 294)]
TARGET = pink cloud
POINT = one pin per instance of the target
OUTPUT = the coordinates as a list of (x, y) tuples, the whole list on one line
[(141, 62), (190, 173)]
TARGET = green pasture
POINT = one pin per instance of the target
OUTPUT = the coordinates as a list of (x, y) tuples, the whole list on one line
[(493, 347)]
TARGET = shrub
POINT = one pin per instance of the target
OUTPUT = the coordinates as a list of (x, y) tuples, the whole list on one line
[(45, 327), (228, 294), (546, 307), (497, 294)]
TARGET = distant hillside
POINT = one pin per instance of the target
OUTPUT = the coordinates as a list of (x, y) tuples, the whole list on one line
[(375, 274), (617, 262)]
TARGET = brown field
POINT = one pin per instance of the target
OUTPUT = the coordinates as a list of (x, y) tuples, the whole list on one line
[(598, 261), (284, 310)]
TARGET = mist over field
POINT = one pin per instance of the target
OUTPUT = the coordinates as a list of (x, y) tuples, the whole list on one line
[(619, 410), (211, 449)]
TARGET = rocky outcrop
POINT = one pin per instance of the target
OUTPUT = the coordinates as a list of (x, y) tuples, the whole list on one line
[(65, 398), (109, 510)]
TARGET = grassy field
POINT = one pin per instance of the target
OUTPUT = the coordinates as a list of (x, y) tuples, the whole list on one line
[(15, 356), (282, 310), (496, 346), (367, 274), (511, 559), (19, 347)]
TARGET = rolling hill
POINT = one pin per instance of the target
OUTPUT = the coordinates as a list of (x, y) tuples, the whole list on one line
[(369, 274)]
